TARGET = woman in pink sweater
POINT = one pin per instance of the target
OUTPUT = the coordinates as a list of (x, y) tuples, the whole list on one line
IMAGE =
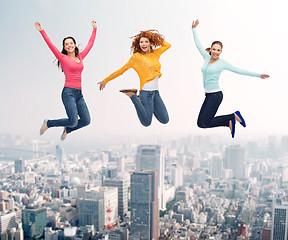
[(70, 60)]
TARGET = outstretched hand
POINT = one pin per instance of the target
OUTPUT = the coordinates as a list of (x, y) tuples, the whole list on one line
[(101, 85), (195, 23), (263, 76), (93, 24), (38, 26)]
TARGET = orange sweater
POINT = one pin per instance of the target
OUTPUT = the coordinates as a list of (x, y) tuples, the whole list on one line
[(146, 65)]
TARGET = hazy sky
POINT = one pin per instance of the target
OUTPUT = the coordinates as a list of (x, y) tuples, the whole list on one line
[(253, 33)]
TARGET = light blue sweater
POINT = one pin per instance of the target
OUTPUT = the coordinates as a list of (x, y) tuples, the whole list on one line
[(211, 72)]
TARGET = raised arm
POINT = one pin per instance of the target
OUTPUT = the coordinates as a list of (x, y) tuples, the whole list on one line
[(164, 47), (55, 51), (197, 41), (90, 42), (116, 73), (234, 69)]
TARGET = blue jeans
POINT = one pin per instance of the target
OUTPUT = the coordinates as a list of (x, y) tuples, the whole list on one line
[(150, 103), (75, 105), (206, 118)]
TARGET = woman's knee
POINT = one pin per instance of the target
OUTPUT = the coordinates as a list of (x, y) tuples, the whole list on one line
[(72, 122), (165, 120), (146, 123), (201, 124), (86, 121)]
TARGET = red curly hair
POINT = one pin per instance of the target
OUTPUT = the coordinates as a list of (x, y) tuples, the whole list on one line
[(155, 38)]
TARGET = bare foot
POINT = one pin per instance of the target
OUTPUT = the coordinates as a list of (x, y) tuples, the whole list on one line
[(64, 135)]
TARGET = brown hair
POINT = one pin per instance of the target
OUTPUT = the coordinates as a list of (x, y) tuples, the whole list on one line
[(65, 52), (155, 38), (215, 42)]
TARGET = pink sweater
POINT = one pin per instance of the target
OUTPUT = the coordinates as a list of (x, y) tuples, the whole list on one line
[(72, 69)]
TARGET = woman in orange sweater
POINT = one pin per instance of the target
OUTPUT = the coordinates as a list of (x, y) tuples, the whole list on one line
[(145, 61)]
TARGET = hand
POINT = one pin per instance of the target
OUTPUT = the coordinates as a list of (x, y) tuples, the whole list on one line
[(195, 23), (263, 76), (38, 26), (93, 24), (102, 85)]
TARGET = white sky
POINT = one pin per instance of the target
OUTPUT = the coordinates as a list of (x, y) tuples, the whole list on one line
[(254, 35)]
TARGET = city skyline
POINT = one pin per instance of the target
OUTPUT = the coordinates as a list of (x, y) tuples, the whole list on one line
[(33, 83), (80, 189)]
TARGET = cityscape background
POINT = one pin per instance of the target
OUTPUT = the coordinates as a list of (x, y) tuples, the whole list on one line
[(193, 187)]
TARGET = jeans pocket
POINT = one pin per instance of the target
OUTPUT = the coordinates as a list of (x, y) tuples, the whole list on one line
[(67, 92)]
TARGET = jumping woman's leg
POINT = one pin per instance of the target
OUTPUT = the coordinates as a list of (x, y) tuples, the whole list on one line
[(209, 109), (83, 113), (160, 110), (144, 106), (200, 123), (69, 101)]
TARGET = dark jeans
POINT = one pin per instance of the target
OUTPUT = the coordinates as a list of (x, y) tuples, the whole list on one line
[(206, 118), (150, 103), (75, 106)]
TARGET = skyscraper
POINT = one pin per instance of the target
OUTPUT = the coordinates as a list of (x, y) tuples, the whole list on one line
[(34, 221), (99, 207), (216, 167), (7, 221), (279, 221), (234, 159), (176, 175), (144, 205), (19, 165), (91, 212), (122, 186), (151, 157), (59, 154)]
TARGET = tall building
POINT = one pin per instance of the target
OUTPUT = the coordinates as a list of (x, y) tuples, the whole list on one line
[(216, 167), (91, 212), (7, 221), (19, 165), (34, 221), (144, 205), (122, 186), (151, 157), (176, 175), (100, 203), (279, 221), (234, 159), (59, 153)]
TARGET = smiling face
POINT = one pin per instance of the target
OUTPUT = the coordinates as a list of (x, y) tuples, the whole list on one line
[(69, 45), (215, 51), (145, 45)]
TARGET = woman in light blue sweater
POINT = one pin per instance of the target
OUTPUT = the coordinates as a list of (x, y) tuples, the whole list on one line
[(212, 68)]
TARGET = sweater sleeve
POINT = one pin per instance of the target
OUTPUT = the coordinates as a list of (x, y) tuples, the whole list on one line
[(89, 45), (234, 69), (199, 45), (119, 71), (52, 47), (165, 46)]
